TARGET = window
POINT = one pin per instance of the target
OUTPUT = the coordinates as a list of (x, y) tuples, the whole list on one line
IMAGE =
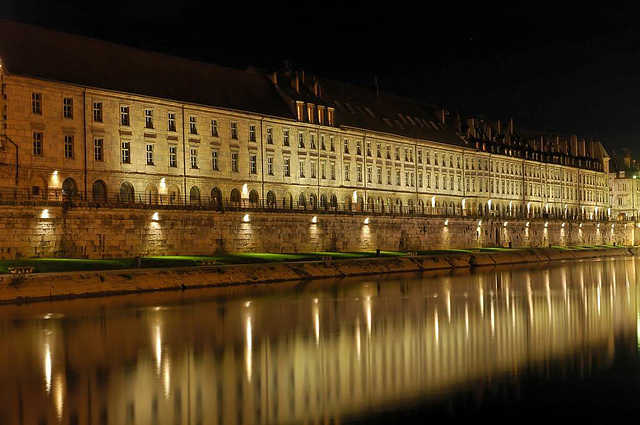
[(388, 175), (234, 130), (420, 179), (406, 155), (330, 116), (429, 180), (234, 162), (150, 154), (37, 143), (98, 149), (214, 160), (193, 158), (310, 112), (252, 133), (398, 178), (302, 168), (312, 141), (313, 170), (301, 140), (369, 174), (300, 110), (193, 125), (97, 111), (68, 146), (270, 166), (287, 167), (419, 156), (172, 121), (388, 152), (346, 146), (323, 170), (397, 153), (36, 103), (67, 107), (322, 145), (378, 153), (253, 168), (148, 118), (124, 116), (214, 128), (285, 137), (173, 156), (379, 170), (359, 173), (346, 172), (368, 148), (332, 145), (270, 135), (333, 170), (125, 152), (358, 149)]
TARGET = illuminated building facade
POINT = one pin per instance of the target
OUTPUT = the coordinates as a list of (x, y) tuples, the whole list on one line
[(92, 121)]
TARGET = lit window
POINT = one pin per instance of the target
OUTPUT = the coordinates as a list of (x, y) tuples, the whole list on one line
[(36, 103), (98, 149), (194, 158), (97, 111), (193, 125), (234, 130), (125, 152), (172, 121), (234, 162), (214, 160), (148, 118), (173, 156), (124, 116), (150, 154)]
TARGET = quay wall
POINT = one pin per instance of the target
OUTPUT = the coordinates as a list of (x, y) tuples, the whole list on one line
[(47, 232)]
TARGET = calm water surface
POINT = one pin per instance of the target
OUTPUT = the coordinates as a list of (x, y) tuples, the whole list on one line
[(529, 344)]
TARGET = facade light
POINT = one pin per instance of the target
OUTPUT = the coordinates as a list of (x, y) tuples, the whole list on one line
[(155, 216), (479, 223), (505, 224), (314, 219), (546, 224), (245, 218), (527, 224), (366, 220), (446, 222), (45, 214)]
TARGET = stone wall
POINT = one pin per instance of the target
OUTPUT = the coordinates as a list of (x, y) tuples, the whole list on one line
[(110, 233)]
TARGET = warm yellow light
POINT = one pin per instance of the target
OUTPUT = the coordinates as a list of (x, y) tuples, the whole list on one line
[(479, 223), (505, 224), (546, 224), (446, 222), (527, 224), (155, 216), (314, 219), (245, 218), (45, 214), (245, 191), (366, 220), (562, 224)]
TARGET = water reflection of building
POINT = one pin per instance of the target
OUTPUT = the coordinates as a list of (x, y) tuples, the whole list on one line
[(311, 357)]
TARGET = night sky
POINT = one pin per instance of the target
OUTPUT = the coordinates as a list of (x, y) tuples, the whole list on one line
[(567, 67)]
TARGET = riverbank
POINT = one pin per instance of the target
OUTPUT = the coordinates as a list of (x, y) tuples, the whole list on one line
[(46, 286)]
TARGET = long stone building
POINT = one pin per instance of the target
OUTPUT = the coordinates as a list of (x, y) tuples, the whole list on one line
[(95, 122)]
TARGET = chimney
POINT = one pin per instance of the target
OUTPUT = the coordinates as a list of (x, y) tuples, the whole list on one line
[(564, 146), (442, 115), (302, 75), (582, 146), (627, 158), (574, 145), (498, 127), (273, 76), (511, 126), (295, 82), (556, 144), (316, 88), (471, 124)]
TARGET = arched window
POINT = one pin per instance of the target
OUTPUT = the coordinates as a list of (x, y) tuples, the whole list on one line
[(334, 202), (347, 203), (271, 199), (194, 195), (302, 201), (235, 198), (69, 188), (287, 201), (99, 191), (127, 194), (216, 198), (399, 205), (313, 201), (410, 206), (323, 201), (420, 206), (253, 199), (389, 205), (151, 194)]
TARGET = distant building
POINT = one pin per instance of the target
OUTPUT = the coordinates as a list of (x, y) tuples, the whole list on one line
[(92, 121), (623, 185)]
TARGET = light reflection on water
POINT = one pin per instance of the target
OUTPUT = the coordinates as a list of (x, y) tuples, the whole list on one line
[(323, 352)]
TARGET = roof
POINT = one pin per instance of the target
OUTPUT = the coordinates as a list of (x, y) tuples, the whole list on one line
[(40, 53)]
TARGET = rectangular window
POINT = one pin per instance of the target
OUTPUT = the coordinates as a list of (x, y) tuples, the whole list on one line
[(234, 162), (346, 146), (125, 152), (302, 168), (270, 135), (301, 140), (389, 176), (68, 146), (36, 103), (368, 149), (124, 116), (346, 172), (419, 179), (37, 143), (67, 107), (322, 145), (214, 161), (97, 111), (234, 130), (287, 167), (419, 156), (193, 158), (285, 137), (379, 170), (173, 156), (98, 149), (323, 170), (150, 154), (312, 141), (214, 128), (388, 152), (332, 146), (172, 121), (270, 166), (369, 174), (398, 178), (193, 125), (252, 133), (359, 173), (253, 167), (358, 149), (313, 170), (148, 118), (333, 171)]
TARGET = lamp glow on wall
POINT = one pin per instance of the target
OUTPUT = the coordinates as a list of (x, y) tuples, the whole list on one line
[(354, 198), (245, 218), (546, 224), (527, 224), (433, 202), (155, 216), (163, 183), (464, 203), (505, 224), (366, 220), (314, 219), (44, 214), (245, 191), (528, 207), (446, 222)]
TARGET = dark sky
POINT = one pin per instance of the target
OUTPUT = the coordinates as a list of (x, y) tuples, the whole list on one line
[(570, 67)]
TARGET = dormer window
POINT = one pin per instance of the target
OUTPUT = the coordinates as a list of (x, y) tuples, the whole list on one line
[(330, 115), (310, 112), (300, 111), (321, 115)]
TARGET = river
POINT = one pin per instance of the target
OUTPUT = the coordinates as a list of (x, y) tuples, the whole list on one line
[(495, 344)]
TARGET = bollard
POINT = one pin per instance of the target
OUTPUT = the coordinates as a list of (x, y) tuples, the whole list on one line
[(378, 252), (138, 262)]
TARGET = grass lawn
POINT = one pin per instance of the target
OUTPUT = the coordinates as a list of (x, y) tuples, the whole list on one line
[(50, 265)]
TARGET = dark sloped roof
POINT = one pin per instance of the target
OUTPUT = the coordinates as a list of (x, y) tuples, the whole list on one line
[(351, 103), (51, 55)]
